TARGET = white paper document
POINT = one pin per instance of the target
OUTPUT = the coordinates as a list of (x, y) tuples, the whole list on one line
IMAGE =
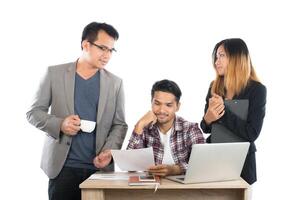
[(108, 176), (114, 175), (134, 159)]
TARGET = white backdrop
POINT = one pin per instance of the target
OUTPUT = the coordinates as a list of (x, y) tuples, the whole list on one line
[(158, 39)]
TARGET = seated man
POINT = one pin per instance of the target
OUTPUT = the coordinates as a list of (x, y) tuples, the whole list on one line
[(170, 136)]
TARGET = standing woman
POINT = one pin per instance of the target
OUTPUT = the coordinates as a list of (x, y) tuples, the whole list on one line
[(236, 79)]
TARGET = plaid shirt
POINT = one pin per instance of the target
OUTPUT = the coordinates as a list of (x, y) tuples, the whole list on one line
[(185, 134)]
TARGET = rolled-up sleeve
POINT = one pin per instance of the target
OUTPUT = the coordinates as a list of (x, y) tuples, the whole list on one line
[(136, 141)]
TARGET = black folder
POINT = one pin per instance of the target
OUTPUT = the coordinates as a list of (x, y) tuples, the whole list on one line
[(219, 133)]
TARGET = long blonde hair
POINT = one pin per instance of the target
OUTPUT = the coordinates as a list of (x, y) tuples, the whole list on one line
[(239, 70)]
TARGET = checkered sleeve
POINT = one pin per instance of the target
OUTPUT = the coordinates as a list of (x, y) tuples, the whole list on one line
[(195, 135), (136, 141)]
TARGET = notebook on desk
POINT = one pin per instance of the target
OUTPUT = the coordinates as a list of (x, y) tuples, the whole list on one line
[(219, 133), (144, 180), (214, 162)]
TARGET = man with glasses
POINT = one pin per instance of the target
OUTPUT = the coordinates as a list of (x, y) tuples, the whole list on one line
[(81, 90)]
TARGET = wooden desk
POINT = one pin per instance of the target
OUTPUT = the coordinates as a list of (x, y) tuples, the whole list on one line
[(119, 190)]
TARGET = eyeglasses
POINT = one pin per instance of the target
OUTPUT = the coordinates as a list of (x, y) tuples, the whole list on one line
[(104, 48)]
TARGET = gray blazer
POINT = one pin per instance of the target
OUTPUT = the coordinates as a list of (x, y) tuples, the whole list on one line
[(57, 91)]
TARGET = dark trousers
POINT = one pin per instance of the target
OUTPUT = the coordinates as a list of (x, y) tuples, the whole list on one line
[(66, 185)]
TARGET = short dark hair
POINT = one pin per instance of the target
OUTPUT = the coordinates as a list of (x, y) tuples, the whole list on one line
[(166, 86), (91, 30)]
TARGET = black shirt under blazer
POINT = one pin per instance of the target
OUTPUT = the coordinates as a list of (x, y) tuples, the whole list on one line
[(249, 130)]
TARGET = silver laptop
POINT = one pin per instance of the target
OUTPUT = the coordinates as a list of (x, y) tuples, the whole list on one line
[(214, 162)]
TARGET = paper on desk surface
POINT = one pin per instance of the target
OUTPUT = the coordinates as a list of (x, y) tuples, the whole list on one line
[(114, 175), (134, 159)]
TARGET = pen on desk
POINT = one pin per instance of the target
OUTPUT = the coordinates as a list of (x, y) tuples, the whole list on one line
[(156, 187)]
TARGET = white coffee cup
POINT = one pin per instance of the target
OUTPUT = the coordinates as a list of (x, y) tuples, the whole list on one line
[(87, 126)]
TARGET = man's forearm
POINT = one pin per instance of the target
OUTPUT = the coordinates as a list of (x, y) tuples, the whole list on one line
[(175, 170)]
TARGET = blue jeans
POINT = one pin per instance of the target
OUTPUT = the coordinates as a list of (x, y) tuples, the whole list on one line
[(66, 185)]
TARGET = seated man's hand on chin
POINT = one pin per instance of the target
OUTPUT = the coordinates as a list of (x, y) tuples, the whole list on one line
[(164, 170)]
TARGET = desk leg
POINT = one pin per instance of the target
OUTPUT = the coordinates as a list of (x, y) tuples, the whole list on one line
[(88, 194), (246, 194)]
